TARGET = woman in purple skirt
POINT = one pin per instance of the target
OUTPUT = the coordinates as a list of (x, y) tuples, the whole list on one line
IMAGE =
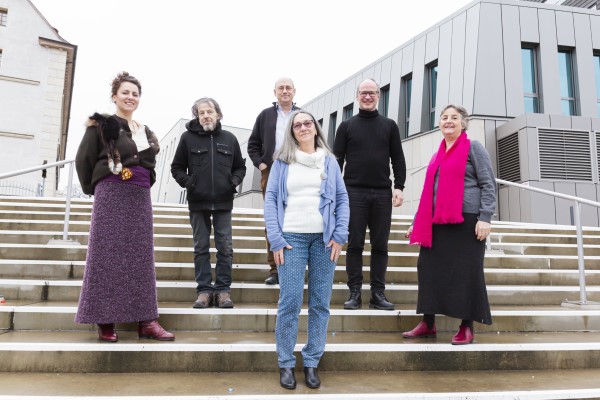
[(115, 163)]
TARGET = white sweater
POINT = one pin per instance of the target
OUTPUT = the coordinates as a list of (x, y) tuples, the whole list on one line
[(301, 214)]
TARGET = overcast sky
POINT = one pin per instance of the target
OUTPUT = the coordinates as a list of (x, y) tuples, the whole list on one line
[(231, 50)]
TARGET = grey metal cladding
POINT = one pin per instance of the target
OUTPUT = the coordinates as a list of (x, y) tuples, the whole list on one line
[(565, 155)]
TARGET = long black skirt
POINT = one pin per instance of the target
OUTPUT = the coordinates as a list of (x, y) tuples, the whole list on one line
[(450, 272)]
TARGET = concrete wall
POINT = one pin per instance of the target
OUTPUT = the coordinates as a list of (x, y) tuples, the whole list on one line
[(32, 86)]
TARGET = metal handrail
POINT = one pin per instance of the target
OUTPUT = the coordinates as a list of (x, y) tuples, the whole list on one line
[(69, 187), (577, 213)]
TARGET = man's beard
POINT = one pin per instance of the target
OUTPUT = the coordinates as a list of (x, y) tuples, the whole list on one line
[(209, 127)]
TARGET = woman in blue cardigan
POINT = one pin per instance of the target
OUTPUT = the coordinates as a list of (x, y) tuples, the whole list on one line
[(306, 215)]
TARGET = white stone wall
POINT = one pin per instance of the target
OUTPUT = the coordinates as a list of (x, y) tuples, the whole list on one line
[(32, 79)]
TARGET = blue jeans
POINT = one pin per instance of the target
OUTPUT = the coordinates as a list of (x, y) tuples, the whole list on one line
[(307, 249), (201, 226), (369, 207)]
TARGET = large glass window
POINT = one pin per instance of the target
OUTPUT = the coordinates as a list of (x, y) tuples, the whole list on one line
[(384, 100), (567, 86), (348, 110), (597, 72), (432, 74), (331, 129), (405, 104), (3, 16), (530, 86)]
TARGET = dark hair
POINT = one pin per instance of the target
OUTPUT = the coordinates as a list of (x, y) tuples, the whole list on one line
[(209, 100), (124, 77)]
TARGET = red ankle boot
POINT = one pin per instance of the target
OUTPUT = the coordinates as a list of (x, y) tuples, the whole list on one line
[(153, 330), (420, 331), (463, 336), (106, 333)]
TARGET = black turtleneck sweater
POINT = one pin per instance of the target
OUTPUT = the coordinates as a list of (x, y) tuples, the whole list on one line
[(367, 142)]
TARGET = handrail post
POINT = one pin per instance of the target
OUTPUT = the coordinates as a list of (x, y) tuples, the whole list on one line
[(580, 258), (68, 203)]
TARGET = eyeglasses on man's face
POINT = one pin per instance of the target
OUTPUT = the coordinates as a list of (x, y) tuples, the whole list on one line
[(307, 124), (366, 93), (285, 88)]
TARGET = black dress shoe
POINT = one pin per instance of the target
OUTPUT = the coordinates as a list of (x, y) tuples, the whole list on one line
[(379, 302), (272, 279), (287, 379), (311, 378)]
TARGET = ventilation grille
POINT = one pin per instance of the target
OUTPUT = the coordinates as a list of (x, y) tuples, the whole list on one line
[(598, 150), (565, 155), (509, 167)]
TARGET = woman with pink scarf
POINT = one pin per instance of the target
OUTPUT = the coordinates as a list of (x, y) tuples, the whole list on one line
[(451, 226)]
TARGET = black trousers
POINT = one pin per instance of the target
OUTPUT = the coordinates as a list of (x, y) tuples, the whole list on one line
[(372, 208)]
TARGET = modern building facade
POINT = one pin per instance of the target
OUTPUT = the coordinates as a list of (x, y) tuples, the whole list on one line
[(166, 190), (37, 68), (529, 74)]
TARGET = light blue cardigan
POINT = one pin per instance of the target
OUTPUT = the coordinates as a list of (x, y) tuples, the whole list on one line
[(334, 205)]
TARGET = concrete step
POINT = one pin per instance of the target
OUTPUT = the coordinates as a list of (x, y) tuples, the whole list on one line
[(65, 352), (347, 385), (256, 255), (260, 317), (256, 273), (242, 292), (252, 237)]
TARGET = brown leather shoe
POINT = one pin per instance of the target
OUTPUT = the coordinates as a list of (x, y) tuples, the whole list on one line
[(204, 300), (106, 333), (223, 300), (153, 330)]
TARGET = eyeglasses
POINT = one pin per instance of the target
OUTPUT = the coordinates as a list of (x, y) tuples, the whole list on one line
[(307, 124), (286, 88), (368, 93)]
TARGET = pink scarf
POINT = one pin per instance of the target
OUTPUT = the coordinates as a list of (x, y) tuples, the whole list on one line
[(450, 191)]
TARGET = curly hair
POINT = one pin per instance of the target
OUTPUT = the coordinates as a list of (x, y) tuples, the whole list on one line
[(124, 77)]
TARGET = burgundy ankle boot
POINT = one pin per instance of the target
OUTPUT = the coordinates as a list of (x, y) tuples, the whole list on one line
[(106, 333), (463, 336), (153, 330)]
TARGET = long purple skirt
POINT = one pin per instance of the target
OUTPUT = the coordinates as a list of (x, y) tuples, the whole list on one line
[(119, 282)]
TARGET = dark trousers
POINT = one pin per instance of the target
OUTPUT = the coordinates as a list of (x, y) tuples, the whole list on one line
[(264, 178), (372, 208), (201, 227)]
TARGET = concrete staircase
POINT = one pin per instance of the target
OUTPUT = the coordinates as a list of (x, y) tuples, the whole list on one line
[(535, 348)]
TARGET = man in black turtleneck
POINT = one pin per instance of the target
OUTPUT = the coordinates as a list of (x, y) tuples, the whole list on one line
[(367, 143)]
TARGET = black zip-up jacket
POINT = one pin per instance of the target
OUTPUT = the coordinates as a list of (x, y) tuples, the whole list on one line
[(261, 143), (209, 165)]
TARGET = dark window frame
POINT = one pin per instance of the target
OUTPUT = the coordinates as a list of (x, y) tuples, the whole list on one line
[(534, 65), (405, 99), (570, 66), (384, 100), (348, 111), (431, 94), (3, 16)]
